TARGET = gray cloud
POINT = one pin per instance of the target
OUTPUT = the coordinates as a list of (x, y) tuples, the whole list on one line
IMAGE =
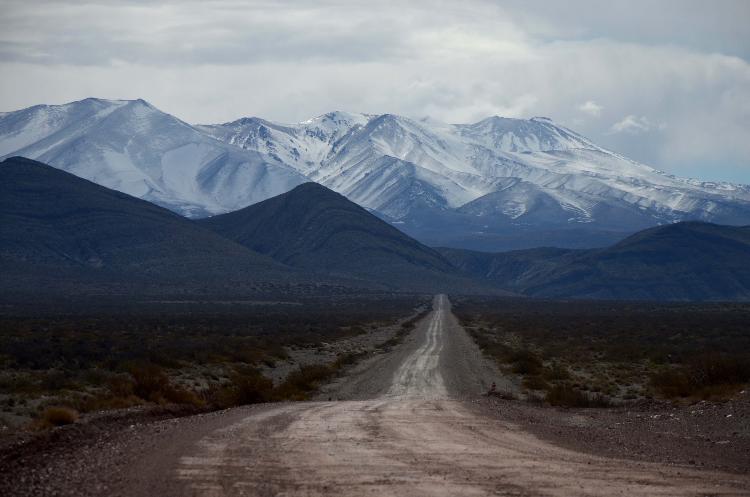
[(633, 124), (666, 83), (708, 26)]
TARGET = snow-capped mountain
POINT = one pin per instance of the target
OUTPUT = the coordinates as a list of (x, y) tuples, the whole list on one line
[(459, 184), (135, 148), (477, 185)]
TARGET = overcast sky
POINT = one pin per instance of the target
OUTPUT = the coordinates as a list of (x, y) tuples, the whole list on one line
[(664, 82)]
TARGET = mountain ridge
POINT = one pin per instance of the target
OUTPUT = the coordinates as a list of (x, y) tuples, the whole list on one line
[(314, 228), (486, 185), (66, 236), (61, 235), (682, 261)]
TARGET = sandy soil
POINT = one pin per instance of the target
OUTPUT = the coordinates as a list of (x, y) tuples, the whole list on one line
[(407, 430)]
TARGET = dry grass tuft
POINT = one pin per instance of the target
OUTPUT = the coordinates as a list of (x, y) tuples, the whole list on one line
[(152, 384), (59, 416), (566, 396)]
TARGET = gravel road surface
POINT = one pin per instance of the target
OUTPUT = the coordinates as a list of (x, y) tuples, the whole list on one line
[(398, 425)]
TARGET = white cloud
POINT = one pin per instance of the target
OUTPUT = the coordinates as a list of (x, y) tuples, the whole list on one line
[(591, 108), (632, 124)]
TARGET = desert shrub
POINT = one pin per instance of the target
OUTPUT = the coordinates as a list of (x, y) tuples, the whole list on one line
[(718, 369), (116, 355), (299, 384), (704, 376), (152, 384), (535, 398), (557, 372), (56, 380), (276, 350), (18, 384), (503, 394), (625, 341), (526, 362), (121, 386), (348, 359), (100, 403), (58, 416), (183, 396), (244, 389), (149, 382), (567, 396), (252, 389), (118, 395), (96, 377), (672, 383), (534, 382)]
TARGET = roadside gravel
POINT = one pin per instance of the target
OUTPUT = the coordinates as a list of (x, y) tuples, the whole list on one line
[(707, 435)]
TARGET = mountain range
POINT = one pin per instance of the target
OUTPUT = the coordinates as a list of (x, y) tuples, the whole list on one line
[(681, 261), (494, 185), (61, 235), (314, 228)]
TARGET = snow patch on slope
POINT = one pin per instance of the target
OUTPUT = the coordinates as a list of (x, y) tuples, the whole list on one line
[(133, 147)]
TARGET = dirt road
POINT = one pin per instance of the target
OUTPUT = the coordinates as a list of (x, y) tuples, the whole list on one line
[(412, 436)]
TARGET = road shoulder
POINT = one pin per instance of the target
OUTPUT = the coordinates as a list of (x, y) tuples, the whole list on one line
[(711, 436)]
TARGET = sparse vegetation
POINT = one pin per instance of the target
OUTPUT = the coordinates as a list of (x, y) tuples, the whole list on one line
[(300, 383), (711, 375), (58, 416), (588, 354), (151, 384), (566, 396), (526, 362), (200, 356), (249, 388), (406, 328)]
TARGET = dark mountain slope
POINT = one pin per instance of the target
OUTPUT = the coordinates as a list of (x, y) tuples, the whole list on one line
[(62, 234), (318, 229), (682, 261)]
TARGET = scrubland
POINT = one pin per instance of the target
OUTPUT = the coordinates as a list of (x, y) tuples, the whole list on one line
[(595, 354), (57, 365)]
